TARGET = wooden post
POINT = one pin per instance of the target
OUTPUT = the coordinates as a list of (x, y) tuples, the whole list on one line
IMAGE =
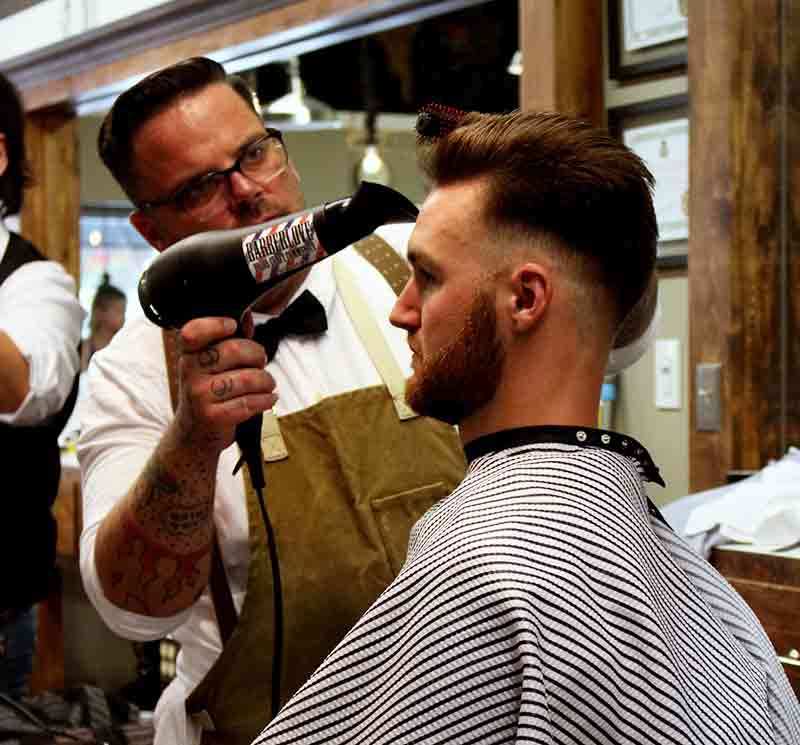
[(50, 220), (51, 211), (562, 57), (744, 245)]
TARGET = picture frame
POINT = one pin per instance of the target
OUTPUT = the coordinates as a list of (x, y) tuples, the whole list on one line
[(645, 38), (658, 131)]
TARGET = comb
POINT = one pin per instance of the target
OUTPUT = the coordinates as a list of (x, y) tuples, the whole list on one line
[(436, 120)]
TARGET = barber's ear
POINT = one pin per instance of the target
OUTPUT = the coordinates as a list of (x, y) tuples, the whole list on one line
[(148, 230), (531, 295)]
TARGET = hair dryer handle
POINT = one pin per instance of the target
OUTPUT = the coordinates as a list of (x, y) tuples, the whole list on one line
[(248, 438)]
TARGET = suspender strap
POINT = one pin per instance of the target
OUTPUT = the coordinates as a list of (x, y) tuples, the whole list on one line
[(373, 339), (386, 260), (221, 596)]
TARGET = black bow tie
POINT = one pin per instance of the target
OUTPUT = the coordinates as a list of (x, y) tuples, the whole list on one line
[(305, 315)]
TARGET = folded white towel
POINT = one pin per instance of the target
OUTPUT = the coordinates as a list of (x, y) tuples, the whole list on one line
[(763, 510)]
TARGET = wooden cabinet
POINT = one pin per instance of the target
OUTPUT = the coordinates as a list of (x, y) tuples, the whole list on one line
[(770, 584)]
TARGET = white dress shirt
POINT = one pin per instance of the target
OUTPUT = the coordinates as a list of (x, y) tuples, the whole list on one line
[(40, 312)]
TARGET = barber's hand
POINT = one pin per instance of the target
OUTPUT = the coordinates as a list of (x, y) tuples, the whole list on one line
[(222, 382)]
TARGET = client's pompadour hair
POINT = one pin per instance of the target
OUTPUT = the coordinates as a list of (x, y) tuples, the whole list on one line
[(552, 176)]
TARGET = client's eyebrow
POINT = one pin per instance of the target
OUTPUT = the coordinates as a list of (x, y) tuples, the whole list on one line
[(417, 257)]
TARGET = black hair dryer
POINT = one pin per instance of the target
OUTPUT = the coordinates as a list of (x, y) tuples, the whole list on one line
[(223, 272)]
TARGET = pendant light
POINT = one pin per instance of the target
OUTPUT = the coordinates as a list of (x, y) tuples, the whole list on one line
[(295, 107)]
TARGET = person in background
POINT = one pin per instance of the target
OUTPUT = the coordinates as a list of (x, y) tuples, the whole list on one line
[(106, 317), (40, 327), (545, 600), (173, 541)]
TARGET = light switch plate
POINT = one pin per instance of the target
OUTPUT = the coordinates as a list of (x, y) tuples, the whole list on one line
[(708, 406), (668, 368)]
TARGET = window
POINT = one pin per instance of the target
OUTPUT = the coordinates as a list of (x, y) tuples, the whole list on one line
[(110, 244)]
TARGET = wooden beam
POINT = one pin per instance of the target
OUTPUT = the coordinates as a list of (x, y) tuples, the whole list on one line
[(51, 210), (50, 220), (244, 35), (107, 73), (743, 241), (562, 57)]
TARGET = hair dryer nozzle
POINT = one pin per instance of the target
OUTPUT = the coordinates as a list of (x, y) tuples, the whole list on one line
[(386, 204)]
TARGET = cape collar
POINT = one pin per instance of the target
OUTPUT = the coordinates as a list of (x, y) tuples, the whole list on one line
[(565, 435)]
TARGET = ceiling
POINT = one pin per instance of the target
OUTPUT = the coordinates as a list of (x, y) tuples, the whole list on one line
[(459, 59)]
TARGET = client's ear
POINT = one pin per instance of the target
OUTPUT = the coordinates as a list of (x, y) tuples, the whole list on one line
[(531, 295)]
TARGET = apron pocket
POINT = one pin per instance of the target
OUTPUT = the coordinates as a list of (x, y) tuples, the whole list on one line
[(396, 514)]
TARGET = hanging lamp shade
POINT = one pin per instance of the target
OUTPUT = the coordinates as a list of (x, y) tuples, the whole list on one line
[(295, 107)]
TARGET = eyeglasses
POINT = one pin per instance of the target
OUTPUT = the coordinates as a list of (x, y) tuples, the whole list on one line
[(262, 161)]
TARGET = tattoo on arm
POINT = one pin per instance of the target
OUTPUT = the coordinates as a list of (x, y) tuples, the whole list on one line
[(208, 357), (221, 388), (160, 576), (164, 557), (175, 517)]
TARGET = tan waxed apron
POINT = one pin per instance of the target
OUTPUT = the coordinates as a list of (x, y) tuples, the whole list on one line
[(346, 480)]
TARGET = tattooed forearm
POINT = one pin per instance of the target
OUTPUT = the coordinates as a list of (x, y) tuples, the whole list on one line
[(149, 578), (153, 550), (176, 517)]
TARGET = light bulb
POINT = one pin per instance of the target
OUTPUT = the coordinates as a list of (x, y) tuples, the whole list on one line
[(372, 167)]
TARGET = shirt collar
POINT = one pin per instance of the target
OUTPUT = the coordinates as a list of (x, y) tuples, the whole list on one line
[(577, 436), (320, 282)]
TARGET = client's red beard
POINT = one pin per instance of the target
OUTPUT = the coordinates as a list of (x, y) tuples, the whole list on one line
[(463, 376)]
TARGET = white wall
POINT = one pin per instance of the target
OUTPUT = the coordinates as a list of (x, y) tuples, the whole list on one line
[(664, 432)]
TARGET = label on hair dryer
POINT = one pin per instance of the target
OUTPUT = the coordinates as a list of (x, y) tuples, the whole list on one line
[(282, 248)]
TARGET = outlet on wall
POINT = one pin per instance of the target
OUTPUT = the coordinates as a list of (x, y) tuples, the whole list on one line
[(668, 393)]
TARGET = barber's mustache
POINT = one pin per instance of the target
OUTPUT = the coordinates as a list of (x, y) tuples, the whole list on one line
[(254, 208)]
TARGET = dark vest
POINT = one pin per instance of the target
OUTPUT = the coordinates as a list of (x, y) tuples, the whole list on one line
[(31, 471)]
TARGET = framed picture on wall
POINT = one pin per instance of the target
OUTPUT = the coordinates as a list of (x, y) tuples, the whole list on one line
[(658, 132), (646, 37)]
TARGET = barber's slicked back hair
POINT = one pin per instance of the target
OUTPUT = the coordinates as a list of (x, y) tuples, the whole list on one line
[(12, 124), (548, 174), (149, 97)]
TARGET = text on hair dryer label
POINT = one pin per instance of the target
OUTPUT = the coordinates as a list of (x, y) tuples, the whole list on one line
[(281, 248)]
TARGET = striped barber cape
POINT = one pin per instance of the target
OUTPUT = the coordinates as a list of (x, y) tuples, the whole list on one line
[(546, 601)]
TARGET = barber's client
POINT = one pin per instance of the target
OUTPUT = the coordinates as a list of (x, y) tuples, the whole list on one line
[(544, 600)]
